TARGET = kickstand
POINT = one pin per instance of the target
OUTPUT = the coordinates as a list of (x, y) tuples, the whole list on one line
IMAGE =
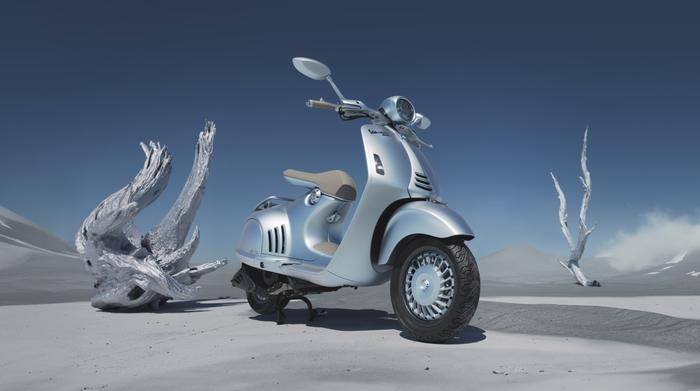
[(312, 312), (283, 301)]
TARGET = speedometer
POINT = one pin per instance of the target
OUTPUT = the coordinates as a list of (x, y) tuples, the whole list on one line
[(398, 109), (405, 109)]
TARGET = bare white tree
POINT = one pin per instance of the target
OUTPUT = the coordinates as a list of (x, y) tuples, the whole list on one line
[(131, 269), (576, 249)]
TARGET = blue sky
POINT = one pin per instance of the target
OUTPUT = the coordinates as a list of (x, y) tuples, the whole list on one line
[(509, 86)]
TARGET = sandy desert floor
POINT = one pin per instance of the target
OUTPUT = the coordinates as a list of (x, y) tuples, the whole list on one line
[(676, 306), (222, 344)]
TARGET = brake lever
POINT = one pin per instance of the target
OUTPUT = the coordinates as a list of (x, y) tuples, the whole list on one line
[(349, 112), (411, 136)]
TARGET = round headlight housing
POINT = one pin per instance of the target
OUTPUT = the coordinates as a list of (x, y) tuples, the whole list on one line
[(398, 109)]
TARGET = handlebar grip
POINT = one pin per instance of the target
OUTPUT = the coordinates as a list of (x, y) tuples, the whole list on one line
[(321, 104)]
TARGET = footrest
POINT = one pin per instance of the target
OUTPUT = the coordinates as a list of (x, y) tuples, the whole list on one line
[(327, 248)]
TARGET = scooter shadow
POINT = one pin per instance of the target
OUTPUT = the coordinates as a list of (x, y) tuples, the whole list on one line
[(195, 306), (470, 334), (343, 319), (176, 307), (340, 319)]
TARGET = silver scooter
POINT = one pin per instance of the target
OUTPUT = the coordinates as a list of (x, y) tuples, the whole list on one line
[(401, 229)]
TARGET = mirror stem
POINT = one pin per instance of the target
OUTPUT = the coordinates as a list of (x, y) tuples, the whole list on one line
[(335, 88)]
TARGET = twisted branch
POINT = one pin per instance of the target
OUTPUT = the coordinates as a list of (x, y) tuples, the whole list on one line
[(576, 250), (131, 270)]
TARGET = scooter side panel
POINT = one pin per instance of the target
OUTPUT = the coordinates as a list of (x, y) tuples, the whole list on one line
[(425, 218), (388, 176), (426, 186), (251, 237)]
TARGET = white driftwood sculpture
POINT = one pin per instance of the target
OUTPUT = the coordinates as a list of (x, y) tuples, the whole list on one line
[(577, 248), (130, 269)]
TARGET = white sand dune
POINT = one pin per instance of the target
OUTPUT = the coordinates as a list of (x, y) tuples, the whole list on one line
[(223, 345), (17, 231), (523, 263), (29, 277), (687, 307)]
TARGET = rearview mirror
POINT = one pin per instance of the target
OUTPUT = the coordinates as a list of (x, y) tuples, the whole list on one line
[(311, 68), (421, 121)]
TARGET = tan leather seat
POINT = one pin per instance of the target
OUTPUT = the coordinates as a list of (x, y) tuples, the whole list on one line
[(335, 183)]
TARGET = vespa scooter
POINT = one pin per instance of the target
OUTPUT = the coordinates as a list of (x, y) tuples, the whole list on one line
[(401, 229)]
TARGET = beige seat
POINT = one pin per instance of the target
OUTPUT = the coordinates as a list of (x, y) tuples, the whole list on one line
[(335, 183)]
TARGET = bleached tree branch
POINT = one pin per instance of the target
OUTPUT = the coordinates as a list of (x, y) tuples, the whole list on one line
[(110, 222), (576, 250), (131, 270), (562, 213), (171, 232)]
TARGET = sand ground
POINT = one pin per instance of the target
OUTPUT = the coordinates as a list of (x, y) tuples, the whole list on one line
[(687, 307), (222, 344)]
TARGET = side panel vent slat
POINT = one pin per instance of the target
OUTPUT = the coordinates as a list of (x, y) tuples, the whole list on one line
[(277, 240), (284, 239), (422, 182), (269, 241)]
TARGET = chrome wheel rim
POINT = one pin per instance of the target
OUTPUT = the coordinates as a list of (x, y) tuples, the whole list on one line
[(429, 285)]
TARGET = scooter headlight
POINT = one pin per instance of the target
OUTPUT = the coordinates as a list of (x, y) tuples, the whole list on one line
[(398, 109)]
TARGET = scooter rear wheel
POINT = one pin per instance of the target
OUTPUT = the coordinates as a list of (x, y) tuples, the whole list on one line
[(435, 289), (262, 304)]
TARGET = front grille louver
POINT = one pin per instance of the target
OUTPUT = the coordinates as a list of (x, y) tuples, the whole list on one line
[(277, 240), (421, 181)]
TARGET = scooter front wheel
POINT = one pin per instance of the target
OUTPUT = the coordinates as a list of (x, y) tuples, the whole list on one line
[(435, 289)]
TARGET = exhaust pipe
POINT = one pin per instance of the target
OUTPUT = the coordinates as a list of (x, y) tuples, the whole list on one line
[(244, 281)]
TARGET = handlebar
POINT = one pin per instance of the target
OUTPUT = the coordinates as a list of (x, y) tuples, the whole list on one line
[(348, 110), (321, 104)]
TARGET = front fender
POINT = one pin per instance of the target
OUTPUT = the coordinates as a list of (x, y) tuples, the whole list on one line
[(421, 218)]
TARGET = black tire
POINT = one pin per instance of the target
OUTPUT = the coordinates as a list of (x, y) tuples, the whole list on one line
[(465, 294), (263, 305)]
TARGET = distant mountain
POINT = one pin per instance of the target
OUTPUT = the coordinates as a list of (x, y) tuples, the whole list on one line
[(523, 263), (17, 231), (682, 270), (36, 266)]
